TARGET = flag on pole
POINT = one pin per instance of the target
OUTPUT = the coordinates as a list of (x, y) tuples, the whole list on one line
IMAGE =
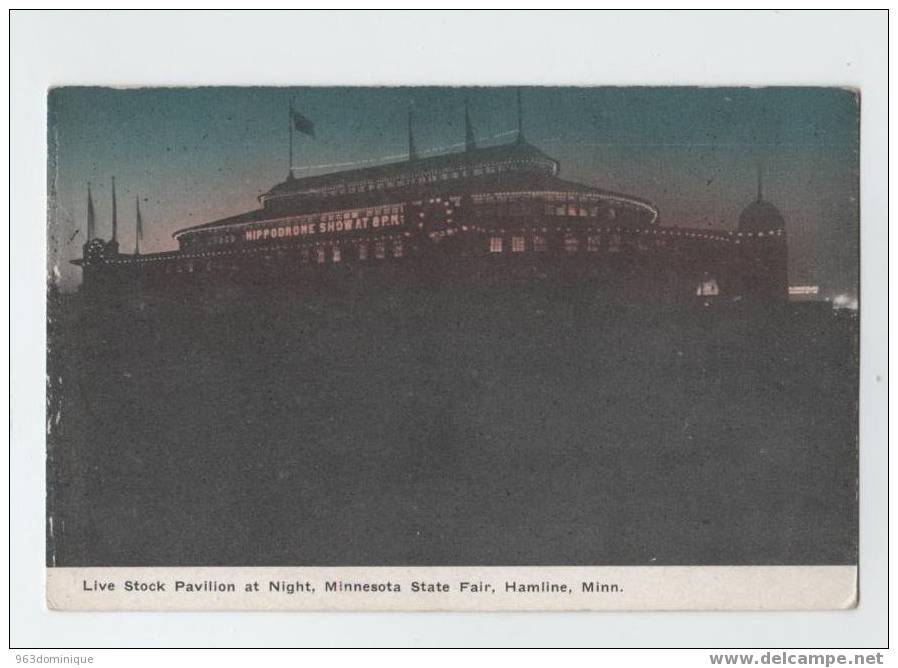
[(302, 124)]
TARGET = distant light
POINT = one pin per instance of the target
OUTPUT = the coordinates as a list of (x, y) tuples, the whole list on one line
[(845, 302)]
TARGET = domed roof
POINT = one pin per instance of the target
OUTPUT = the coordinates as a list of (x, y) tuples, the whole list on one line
[(760, 215)]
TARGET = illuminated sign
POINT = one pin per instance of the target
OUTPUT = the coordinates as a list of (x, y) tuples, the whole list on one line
[(804, 289), (324, 227)]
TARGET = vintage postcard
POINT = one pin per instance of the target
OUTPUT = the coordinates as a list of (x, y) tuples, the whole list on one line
[(422, 348)]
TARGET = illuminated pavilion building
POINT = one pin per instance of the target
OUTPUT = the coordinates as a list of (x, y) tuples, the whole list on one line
[(488, 215)]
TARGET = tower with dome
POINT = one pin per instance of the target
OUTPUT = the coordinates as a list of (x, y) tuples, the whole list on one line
[(762, 250)]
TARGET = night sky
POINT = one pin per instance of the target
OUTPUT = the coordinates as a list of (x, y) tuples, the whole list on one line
[(194, 155)]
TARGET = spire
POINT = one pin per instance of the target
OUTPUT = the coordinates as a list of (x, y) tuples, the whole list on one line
[(114, 216), (139, 231), (91, 216), (470, 144), (412, 153), (520, 139), (760, 182)]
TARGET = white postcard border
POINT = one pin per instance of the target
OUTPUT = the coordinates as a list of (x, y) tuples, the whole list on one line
[(459, 588)]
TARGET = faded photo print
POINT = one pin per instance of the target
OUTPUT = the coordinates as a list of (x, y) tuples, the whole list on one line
[(422, 326)]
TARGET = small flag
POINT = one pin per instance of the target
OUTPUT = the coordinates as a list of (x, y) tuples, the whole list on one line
[(302, 124)]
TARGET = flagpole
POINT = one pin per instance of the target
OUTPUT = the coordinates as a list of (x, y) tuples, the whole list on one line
[(114, 216), (290, 124), (138, 226), (91, 218)]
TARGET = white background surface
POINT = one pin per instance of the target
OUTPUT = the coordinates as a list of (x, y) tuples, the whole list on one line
[(755, 48)]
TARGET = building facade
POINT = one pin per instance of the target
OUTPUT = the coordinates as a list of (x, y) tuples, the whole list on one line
[(485, 215)]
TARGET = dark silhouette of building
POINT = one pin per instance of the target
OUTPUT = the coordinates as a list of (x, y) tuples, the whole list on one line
[(763, 256), (484, 214), (435, 423)]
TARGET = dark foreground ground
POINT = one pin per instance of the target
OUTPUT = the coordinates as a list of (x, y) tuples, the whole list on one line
[(438, 428)]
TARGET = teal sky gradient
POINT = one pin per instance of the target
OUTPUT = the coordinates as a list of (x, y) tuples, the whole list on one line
[(194, 155)]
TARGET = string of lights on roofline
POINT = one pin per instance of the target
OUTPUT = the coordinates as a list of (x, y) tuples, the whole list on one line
[(672, 232), (399, 156)]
